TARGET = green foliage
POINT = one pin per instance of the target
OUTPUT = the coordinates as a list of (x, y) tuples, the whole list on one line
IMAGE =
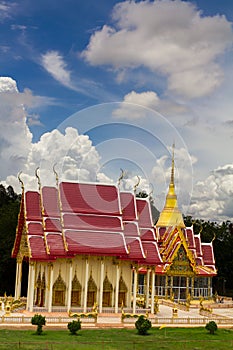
[(211, 327), (39, 321), (142, 324), (74, 326), (9, 209)]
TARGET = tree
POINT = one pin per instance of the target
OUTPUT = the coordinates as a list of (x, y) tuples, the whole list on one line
[(39, 321), (74, 326), (142, 324), (211, 327), (9, 209)]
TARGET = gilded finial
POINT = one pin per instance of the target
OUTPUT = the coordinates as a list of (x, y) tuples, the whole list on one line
[(20, 180), (137, 183), (173, 164), (38, 177), (121, 177), (56, 174)]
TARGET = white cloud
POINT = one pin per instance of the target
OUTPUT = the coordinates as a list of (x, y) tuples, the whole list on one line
[(6, 9), (15, 137), (168, 37), (129, 108), (212, 198), (74, 156), (149, 99), (55, 65)]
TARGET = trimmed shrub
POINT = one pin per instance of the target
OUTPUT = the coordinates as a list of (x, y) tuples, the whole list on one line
[(39, 321), (142, 325), (211, 327), (74, 326)]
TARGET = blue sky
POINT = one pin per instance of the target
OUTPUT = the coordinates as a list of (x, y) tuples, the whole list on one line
[(133, 76)]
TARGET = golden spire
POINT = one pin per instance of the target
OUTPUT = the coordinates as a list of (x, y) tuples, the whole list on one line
[(171, 215)]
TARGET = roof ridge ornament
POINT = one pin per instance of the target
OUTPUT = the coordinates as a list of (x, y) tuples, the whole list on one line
[(56, 174), (21, 181), (121, 176), (38, 177), (137, 183)]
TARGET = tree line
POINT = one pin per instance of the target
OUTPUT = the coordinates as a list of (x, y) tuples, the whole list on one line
[(220, 233)]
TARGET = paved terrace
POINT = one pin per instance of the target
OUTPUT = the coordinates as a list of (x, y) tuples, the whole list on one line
[(222, 314)]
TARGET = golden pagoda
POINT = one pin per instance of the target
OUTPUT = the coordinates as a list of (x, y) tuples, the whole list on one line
[(171, 215)]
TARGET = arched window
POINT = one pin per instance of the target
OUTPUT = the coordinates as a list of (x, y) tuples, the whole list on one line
[(107, 292), (76, 292), (59, 289), (91, 292), (122, 292)]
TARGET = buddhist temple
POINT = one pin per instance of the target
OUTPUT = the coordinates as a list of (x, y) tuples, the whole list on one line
[(91, 243)]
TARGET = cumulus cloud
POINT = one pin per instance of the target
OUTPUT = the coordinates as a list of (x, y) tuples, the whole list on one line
[(73, 156), (129, 110), (172, 38), (212, 198), (55, 65), (15, 136), (149, 99)]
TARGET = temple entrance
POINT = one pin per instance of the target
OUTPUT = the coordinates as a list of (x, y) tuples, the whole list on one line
[(59, 289), (91, 292), (76, 292), (122, 293), (107, 292)]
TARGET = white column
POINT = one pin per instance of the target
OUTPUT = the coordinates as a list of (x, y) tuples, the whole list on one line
[(147, 287), (152, 292), (117, 288), (135, 288), (50, 298), (101, 285), (69, 291), (18, 278), (31, 285), (86, 286)]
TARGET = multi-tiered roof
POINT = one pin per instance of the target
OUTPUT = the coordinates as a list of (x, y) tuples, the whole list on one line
[(99, 220)]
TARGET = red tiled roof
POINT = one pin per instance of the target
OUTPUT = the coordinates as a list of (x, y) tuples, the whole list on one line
[(89, 198), (35, 228), (131, 229), (190, 237), (33, 206), (96, 242), (55, 244), (198, 245), (50, 201), (53, 225), (128, 205), (208, 254), (37, 247), (135, 248), (152, 253), (92, 222), (148, 234), (144, 213)]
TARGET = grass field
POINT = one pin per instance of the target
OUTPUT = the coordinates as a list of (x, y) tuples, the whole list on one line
[(117, 339)]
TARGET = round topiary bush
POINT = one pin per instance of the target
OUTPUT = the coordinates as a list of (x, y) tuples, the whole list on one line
[(211, 327), (74, 326), (142, 324), (39, 321)]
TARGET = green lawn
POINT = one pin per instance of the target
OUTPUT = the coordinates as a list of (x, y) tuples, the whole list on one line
[(118, 339)]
